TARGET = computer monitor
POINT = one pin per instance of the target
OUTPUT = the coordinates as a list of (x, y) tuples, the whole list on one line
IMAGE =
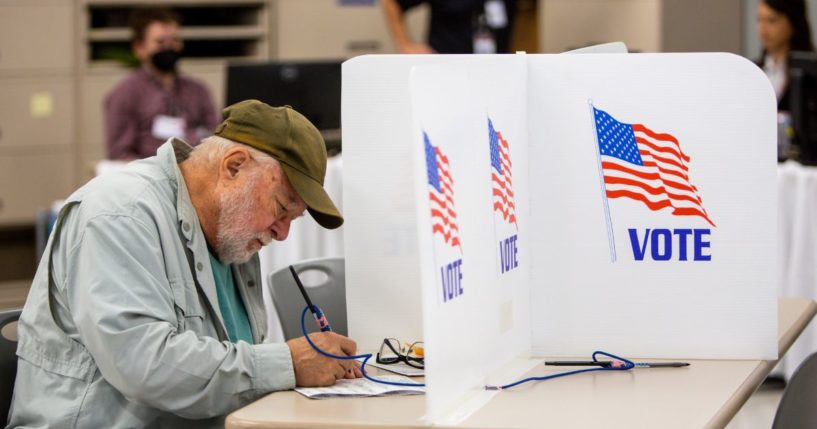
[(803, 93), (312, 88)]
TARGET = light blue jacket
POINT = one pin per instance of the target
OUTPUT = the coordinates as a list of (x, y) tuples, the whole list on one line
[(131, 334)]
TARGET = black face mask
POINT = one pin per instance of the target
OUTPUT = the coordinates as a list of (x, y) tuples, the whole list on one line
[(165, 61)]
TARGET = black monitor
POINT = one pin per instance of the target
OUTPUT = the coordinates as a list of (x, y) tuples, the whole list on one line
[(803, 93), (312, 88)]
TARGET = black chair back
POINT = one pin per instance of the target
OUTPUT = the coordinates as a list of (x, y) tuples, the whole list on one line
[(325, 281), (798, 406), (8, 363)]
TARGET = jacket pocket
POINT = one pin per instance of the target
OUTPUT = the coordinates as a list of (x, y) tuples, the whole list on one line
[(73, 360), (189, 311)]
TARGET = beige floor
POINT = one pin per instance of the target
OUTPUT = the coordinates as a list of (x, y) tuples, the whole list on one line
[(758, 412)]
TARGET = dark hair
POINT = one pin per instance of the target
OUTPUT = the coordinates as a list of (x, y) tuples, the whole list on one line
[(141, 18), (795, 11)]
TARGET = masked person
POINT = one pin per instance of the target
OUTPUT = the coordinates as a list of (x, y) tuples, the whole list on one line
[(155, 102)]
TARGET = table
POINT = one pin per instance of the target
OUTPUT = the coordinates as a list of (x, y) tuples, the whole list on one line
[(707, 394)]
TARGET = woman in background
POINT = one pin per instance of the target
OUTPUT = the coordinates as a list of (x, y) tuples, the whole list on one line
[(783, 27)]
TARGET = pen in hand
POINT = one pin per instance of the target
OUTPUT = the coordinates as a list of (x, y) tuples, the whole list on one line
[(320, 318)]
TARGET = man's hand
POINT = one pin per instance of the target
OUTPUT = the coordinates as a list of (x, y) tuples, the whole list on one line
[(314, 369)]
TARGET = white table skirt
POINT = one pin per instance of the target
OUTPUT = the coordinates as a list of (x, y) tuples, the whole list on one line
[(797, 250)]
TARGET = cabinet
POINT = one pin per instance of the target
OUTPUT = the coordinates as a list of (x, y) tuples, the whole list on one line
[(31, 180), (344, 31), (572, 24), (37, 128), (644, 25), (211, 29), (43, 51), (36, 139), (37, 122), (36, 111), (321, 29)]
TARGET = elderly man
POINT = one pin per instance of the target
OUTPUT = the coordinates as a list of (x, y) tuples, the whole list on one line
[(146, 310)]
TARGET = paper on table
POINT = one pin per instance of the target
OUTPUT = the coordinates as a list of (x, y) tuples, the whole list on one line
[(361, 387)]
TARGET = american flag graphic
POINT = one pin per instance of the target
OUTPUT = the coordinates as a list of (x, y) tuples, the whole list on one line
[(501, 175), (646, 166), (441, 195)]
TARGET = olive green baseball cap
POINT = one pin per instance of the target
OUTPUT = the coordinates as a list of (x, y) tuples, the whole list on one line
[(290, 138)]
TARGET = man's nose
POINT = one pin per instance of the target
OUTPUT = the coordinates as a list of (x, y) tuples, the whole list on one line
[(280, 229)]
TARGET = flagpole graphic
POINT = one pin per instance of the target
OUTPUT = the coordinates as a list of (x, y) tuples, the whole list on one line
[(611, 239), (639, 164)]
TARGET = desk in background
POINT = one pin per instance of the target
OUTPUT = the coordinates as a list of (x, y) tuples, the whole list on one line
[(706, 394)]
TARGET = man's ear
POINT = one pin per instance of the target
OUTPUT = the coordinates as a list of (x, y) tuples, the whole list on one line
[(234, 161)]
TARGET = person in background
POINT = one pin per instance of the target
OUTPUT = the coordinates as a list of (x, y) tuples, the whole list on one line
[(782, 27), (146, 309), (155, 102), (456, 26)]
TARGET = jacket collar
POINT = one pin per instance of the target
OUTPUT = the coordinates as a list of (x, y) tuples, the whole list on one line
[(169, 155)]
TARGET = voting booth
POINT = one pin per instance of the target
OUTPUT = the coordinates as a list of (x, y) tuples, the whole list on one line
[(502, 208)]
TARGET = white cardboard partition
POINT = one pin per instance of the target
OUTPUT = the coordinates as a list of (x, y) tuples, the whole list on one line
[(382, 256), (644, 222), (720, 110), (474, 262)]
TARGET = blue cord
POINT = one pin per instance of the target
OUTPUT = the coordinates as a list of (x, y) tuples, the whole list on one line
[(365, 357), (625, 365)]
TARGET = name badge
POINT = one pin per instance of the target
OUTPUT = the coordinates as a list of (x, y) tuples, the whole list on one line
[(165, 127), (495, 14), (484, 43)]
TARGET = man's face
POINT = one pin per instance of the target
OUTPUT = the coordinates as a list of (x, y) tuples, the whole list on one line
[(159, 36), (259, 208)]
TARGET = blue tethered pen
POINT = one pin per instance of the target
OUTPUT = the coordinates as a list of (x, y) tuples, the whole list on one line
[(320, 318)]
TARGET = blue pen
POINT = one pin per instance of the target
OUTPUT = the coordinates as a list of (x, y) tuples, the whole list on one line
[(320, 318)]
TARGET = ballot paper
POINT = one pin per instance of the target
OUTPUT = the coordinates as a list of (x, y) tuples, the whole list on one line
[(361, 387)]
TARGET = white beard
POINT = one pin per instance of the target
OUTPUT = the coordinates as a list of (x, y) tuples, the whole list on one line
[(234, 244)]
